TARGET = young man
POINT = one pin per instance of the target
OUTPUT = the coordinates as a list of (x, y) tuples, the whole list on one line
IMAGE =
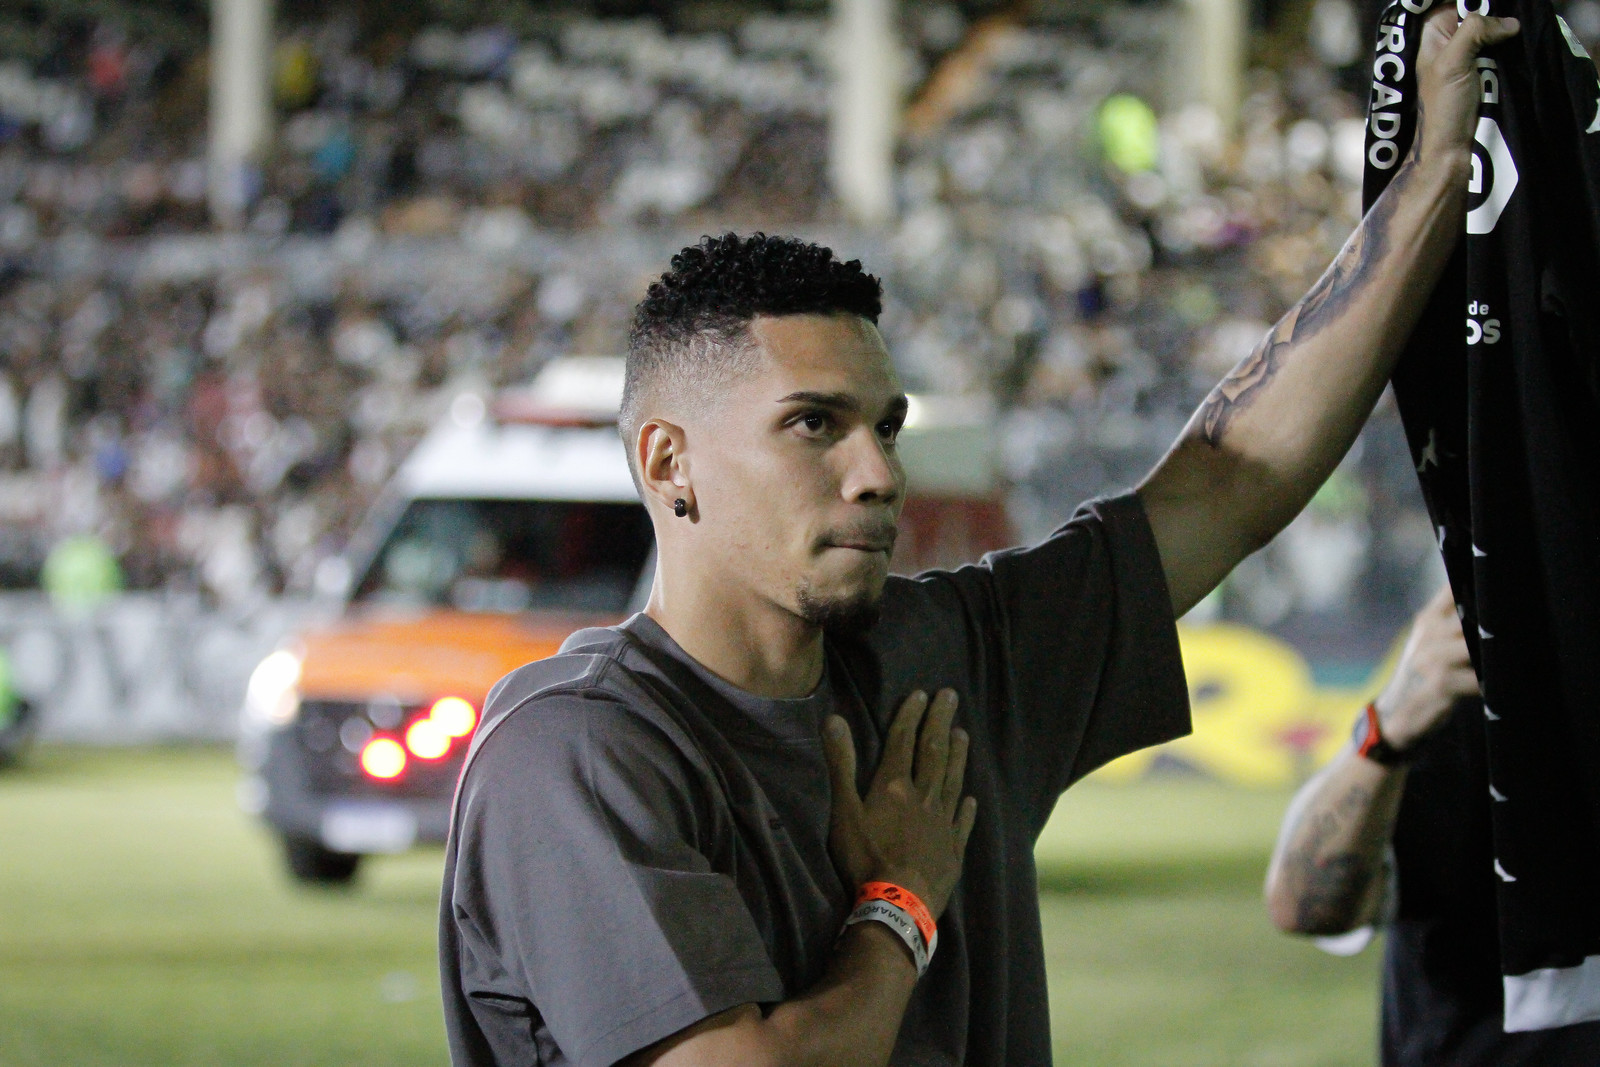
[(660, 832), (1417, 785)]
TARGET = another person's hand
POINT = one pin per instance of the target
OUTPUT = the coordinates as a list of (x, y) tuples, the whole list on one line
[(1433, 673), (912, 826), (1448, 79)]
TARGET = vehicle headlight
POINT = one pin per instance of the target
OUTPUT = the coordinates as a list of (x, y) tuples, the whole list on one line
[(273, 695)]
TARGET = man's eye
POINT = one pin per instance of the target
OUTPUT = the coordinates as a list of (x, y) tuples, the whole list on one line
[(815, 421), (889, 429)]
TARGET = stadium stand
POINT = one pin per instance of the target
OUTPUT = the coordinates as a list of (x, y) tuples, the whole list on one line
[(451, 204)]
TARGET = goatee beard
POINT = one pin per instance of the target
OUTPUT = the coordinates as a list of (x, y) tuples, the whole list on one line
[(843, 616)]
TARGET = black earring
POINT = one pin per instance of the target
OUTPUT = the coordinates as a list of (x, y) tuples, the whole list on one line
[(680, 508)]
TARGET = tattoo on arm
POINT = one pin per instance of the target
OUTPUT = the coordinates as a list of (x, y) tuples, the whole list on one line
[(1328, 299), (1235, 391), (1334, 889), (1332, 886)]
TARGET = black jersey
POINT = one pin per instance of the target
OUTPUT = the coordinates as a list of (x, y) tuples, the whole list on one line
[(1442, 996), (1497, 389)]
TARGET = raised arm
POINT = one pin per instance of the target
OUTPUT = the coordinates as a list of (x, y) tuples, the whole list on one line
[(1327, 871), (910, 829), (1274, 429)]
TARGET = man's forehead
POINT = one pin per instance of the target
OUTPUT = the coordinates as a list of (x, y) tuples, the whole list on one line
[(825, 352)]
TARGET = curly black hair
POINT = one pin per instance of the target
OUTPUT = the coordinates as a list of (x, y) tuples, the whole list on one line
[(690, 326), (720, 284)]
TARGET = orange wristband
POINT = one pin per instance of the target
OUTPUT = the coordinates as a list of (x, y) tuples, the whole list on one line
[(908, 902)]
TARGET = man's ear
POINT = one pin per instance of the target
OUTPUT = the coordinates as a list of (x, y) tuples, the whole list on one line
[(661, 452)]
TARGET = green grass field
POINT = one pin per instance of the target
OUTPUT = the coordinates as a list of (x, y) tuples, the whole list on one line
[(144, 920)]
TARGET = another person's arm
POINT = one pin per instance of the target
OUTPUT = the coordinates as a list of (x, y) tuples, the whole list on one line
[(1328, 873), (1274, 429), (910, 829)]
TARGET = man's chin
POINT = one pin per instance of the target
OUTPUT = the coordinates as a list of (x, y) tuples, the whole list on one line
[(849, 613)]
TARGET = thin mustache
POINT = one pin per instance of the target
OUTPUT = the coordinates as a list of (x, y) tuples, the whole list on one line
[(877, 535)]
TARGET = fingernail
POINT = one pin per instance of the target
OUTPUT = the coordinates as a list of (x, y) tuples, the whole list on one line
[(834, 726)]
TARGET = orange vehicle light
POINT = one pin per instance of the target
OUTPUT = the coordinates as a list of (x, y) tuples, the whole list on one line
[(455, 716), (427, 739), (383, 758)]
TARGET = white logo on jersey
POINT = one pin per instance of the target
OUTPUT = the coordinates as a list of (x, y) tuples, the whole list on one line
[(1430, 452), (1388, 66), (1486, 331), (1572, 39), (1496, 186)]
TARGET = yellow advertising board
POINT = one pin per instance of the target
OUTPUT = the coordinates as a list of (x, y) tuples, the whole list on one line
[(1259, 717)]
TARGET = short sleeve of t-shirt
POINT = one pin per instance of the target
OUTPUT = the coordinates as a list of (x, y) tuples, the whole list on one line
[(586, 890), (1068, 649)]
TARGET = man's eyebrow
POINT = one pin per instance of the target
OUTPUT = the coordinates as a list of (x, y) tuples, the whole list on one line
[(840, 401)]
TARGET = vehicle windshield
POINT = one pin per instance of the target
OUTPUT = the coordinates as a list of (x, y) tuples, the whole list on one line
[(511, 555)]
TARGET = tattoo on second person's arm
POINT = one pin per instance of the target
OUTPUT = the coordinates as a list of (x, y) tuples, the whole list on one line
[(1332, 886), (1334, 889)]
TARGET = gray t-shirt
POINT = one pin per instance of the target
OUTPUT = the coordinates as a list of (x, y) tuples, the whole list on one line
[(637, 845)]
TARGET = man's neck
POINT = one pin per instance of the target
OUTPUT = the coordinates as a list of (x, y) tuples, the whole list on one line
[(745, 640)]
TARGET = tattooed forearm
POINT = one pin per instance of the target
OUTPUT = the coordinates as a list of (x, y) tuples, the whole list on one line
[(1329, 872), (1235, 391), (1331, 896), (1326, 301), (1329, 298)]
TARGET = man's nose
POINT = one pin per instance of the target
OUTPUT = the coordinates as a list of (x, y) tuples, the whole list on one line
[(874, 474)]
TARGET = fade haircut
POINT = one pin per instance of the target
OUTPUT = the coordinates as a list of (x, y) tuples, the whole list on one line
[(690, 333)]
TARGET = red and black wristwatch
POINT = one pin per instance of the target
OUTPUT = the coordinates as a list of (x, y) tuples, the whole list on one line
[(1371, 743)]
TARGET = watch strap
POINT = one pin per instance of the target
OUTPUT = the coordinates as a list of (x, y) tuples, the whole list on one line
[(1371, 744)]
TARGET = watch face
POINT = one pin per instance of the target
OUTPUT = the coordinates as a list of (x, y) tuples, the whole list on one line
[(1371, 743), (1358, 735)]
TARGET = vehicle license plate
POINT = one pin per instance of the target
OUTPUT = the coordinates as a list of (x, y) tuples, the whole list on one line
[(367, 828)]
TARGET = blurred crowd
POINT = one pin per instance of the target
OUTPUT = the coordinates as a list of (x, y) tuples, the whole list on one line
[(447, 209)]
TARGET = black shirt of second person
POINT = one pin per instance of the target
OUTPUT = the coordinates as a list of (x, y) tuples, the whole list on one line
[(1443, 995)]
